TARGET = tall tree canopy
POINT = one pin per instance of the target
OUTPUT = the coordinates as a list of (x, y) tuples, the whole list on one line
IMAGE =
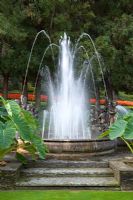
[(110, 24)]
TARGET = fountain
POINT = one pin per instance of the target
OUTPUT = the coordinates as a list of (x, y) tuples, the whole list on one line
[(66, 127), (68, 105)]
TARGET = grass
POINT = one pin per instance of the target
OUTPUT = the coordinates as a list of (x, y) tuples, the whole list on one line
[(65, 195)]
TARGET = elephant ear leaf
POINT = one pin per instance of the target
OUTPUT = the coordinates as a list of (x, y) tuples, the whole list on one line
[(31, 121), (4, 151), (128, 134), (7, 134), (117, 129), (21, 158), (31, 149), (39, 145), (12, 108), (22, 127)]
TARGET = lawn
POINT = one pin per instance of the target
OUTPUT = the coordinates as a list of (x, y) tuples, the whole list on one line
[(65, 195)]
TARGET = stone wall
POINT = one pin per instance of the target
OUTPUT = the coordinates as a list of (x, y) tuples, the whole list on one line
[(9, 175)]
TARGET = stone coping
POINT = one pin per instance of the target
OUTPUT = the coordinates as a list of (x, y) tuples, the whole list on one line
[(76, 140), (9, 174), (10, 166), (123, 171)]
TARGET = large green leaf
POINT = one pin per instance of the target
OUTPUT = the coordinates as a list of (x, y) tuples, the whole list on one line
[(128, 134), (12, 108), (27, 127), (31, 120), (3, 111), (117, 129), (39, 145), (21, 158), (22, 127), (3, 114), (128, 116), (7, 134), (31, 149), (4, 151), (29, 134)]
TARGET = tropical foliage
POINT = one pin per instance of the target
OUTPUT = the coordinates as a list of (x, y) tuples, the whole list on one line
[(122, 128), (17, 123)]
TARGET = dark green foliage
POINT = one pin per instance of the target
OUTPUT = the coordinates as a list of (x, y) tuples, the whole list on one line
[(21, 158), (7, 134), (22, 122), (110, 23), (114, 21)]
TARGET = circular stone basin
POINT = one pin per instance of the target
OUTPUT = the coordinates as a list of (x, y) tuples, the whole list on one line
[(67, 149)]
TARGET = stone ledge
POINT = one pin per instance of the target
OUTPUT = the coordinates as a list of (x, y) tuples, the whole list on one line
[(123, 172), (69, 172), (67, 182), (9, 175)]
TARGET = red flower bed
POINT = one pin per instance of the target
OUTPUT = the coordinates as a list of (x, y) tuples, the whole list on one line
[(31, 97)]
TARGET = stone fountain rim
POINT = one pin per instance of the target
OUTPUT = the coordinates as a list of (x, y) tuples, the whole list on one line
[(76, 140)]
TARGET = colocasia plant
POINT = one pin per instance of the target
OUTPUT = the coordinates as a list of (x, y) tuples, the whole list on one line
[(15, 123), (121, 128)]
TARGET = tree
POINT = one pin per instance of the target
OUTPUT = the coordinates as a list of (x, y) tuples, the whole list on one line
[(11, 32), (108, 22), (114, 35)]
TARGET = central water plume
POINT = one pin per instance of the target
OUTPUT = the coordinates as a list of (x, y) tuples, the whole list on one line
[(68, 116)]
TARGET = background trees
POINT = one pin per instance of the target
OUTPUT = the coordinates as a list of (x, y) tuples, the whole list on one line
[(114, 35), (110, 23)]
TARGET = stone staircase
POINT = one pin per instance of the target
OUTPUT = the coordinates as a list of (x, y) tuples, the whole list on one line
[(57, 174)]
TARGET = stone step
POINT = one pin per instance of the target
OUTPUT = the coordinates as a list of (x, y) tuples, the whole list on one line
[(67, 182), (67, 164), (51, 172)]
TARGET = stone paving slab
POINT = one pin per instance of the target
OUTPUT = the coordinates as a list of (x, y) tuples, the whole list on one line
[(68, 181), (67, 172), (67, 163)]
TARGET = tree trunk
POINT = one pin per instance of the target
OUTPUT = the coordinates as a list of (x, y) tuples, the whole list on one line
[(38, 93), (109, 87), (5, 85)]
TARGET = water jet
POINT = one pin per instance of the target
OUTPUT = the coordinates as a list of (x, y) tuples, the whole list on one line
[(66, 127)]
